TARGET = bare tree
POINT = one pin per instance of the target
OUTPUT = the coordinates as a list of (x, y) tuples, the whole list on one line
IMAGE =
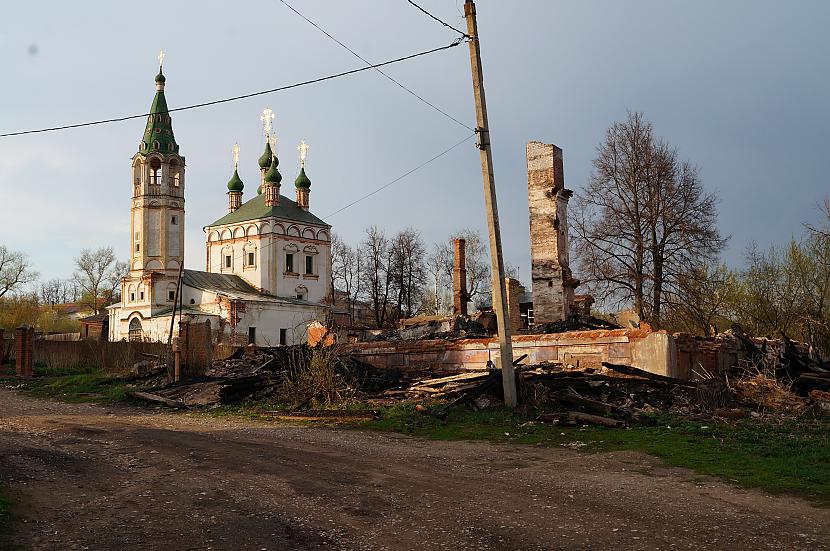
[(376, 272), (346, 270), (406, 270), (436, 300), (95, 271), (643, 220), (14, 270)]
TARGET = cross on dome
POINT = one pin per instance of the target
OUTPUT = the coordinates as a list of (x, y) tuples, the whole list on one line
[(235, 156), (161, 58), (303, 149), (267, 119)]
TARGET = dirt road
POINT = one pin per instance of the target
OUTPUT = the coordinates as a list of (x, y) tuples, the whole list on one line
[(92, 477)]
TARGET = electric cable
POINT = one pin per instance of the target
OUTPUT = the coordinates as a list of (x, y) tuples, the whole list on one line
[(239, 97), (363, 59), (462, 33)]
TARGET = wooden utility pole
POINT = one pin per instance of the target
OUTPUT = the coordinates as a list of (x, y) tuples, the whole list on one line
[(496, 260)]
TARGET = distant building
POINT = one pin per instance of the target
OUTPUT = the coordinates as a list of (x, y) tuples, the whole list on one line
[(268, 260)]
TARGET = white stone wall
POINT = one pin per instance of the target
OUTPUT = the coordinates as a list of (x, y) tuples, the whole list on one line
[(270, 241)]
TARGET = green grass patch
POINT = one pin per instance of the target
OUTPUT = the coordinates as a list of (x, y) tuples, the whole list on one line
[(76, 385), (789, 456)]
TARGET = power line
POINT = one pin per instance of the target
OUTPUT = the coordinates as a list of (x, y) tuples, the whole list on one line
[(462, 33), (401, 177), (240, 97), (363, 59), (341, 209)]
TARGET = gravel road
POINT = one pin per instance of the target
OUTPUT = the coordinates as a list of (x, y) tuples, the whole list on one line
[(92, 477)]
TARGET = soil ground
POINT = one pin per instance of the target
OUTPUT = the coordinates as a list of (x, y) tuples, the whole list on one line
[(85, 476)]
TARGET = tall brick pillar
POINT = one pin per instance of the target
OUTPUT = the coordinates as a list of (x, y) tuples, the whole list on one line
[(459, 278), (515, 290), (23, 350), (553, 284)]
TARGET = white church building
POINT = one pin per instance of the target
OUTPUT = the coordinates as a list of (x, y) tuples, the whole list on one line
[(268, 260)]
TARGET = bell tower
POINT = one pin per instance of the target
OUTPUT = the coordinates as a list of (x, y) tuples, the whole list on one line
[(157, 211)]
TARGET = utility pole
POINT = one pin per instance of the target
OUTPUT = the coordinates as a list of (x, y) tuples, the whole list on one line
[(496, 260)]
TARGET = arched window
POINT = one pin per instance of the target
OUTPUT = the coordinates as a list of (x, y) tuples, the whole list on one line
[(155, 170), (135, 333), (174, 173)]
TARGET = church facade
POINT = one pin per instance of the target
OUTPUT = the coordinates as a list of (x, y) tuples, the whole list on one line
[(268, 260)]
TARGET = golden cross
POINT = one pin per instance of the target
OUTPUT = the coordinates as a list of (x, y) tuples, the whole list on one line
[(267, 118), (161, 58), (303, 149), (235, 156)]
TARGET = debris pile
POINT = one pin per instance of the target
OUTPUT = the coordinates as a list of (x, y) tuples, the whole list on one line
[(253, 373), (435, 327)]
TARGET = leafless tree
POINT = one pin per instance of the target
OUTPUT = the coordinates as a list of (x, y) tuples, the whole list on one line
[(377, 282), (436, 300), (14, 270), (52, 292), (95, 270), (407, 271), (346, 271), (643, 220)]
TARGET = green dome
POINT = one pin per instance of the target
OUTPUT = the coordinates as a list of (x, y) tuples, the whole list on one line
[(302, 181), (265, 159), (273, 175), (235, 183), (160, 77)]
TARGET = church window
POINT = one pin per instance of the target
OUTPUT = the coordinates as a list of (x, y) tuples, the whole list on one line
[(309, 264), (141, 295), (250, 259), (137, 247), (155, 171), (132, 297), (228, 260), (299, 296), (174, 220), (289, 262)]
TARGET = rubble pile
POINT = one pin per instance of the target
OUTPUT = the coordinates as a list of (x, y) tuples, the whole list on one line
[(435, 327), (253, 373), (576, 323)]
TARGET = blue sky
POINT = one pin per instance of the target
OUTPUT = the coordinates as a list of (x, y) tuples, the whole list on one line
[(739, 87)]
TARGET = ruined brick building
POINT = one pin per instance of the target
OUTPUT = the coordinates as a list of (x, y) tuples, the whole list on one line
[(267, 260)]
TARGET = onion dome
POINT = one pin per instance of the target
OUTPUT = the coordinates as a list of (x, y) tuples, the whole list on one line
[(265, 159), (235, 183), (160, 78), (273, 175), (302, 181)]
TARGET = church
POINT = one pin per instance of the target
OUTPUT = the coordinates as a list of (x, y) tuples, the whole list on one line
[(267, 261)]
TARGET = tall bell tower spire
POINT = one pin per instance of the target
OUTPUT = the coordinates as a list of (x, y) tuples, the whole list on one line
[(157, 221)]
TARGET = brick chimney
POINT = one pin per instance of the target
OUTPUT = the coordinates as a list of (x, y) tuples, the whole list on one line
[(459, 278)]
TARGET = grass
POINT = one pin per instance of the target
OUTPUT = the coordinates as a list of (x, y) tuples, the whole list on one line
[(775, 454), (787, 456), (78, 384)]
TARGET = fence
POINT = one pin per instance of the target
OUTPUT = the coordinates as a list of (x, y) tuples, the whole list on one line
[(113, 357)]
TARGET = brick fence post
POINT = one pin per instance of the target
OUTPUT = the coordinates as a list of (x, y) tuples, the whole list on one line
[(23, 350)]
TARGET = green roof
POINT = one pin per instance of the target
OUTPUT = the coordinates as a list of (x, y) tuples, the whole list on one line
[(302, 181), (235, 183), (265, 159), (256, 208), (273, 175), (158, 134)]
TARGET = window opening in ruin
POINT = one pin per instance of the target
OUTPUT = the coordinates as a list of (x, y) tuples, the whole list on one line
[(171, 295), (174, 220), (283, 336), (252, 335)]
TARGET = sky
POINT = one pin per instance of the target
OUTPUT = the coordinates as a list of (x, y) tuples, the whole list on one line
[(740, 88)]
